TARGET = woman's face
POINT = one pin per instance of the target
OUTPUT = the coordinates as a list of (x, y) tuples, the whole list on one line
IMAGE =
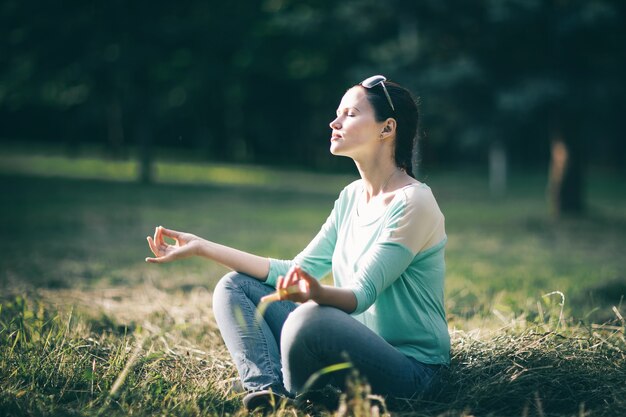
[(355, 129)]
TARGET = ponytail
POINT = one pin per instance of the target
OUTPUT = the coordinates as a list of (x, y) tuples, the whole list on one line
[(406, 115)]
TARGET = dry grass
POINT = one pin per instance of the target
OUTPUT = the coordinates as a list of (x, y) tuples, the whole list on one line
[(145, 351), (87, 328)]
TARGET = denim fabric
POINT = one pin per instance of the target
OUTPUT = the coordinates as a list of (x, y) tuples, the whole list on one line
[(304, 339), (253, 342), (317, 336)]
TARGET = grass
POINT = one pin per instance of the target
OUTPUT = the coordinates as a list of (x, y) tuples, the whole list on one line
[(87, 328)]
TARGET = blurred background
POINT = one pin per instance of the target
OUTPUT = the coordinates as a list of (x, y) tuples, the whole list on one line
[(531, 85), (211, 116)]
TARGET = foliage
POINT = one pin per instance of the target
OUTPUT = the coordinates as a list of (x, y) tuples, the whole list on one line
[(260, 83)]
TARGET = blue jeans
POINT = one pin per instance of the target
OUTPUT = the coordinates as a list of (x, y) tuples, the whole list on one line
[(292, 341)]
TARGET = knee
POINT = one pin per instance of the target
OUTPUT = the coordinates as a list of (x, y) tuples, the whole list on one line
[(222, 286), (303, 343), (227, 281), (225, 287), (303, 325), (302, 318)]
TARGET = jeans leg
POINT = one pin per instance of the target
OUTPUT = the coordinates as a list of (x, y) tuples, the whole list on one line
[(318, 336), (253, 342)]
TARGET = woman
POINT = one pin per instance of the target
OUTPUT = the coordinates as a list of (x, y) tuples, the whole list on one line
[(384, 242)]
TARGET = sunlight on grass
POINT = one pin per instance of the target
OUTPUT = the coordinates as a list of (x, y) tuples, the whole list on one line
[(170, 172), (142, 350), (78, 298), (58, 166)]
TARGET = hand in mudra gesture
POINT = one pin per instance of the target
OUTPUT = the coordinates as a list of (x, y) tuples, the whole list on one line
[(186, 245), (296, 285)]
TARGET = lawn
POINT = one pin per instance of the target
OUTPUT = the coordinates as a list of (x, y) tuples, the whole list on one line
[(535, 306)]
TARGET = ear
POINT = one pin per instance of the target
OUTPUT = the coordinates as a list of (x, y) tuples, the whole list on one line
[(389, 129)]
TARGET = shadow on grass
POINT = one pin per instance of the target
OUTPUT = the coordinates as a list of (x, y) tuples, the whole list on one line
[(67, 364), (574, 372), (89, 234), (63, 233)]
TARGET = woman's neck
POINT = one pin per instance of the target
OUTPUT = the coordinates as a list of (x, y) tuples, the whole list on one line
[(378, 178)]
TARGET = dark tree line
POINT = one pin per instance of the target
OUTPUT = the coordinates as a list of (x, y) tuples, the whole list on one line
[(529, 82)]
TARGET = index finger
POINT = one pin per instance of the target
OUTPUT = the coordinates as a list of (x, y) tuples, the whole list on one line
[(170, 233), (155, 239), (290, 277), (153, 247)]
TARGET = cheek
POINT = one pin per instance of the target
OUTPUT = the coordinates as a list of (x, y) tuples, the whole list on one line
[(365, 132)]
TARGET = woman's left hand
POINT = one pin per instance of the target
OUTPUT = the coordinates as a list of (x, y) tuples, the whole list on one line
[(185, 247), (309, 287), (300, 287)]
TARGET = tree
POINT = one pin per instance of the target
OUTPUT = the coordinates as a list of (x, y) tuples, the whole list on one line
[(518, 75), (259, 83)]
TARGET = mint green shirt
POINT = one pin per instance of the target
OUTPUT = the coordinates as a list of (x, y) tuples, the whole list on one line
[(394, 263)]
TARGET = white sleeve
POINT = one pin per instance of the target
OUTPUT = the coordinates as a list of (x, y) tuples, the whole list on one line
[(417, 222)]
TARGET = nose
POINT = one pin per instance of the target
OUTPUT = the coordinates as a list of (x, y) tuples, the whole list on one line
[(335, 124)]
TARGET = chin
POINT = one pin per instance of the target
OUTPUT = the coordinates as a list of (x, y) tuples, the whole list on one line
[(336, 152), (335, 149)]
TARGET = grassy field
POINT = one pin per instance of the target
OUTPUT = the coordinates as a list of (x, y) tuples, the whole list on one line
[(535, 306)]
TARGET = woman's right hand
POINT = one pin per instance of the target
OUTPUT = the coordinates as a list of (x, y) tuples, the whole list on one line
[(185, 247)]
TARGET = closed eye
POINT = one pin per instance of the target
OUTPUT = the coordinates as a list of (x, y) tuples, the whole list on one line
[(348, 112)]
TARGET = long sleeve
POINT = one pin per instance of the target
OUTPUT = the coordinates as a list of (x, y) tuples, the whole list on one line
[(394, 264), (412, 224), (316, 258)]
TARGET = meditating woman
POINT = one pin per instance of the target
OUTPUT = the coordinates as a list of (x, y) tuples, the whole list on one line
[(384, 244)]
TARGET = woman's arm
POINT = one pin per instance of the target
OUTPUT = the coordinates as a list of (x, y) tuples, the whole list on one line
[(341, 298), (240, 261), (188, 245)]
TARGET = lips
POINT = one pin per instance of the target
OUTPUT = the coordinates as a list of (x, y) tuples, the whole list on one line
[(335, 136)]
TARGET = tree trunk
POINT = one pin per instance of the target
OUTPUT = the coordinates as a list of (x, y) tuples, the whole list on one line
[(115, 127), (565, 182), (235, 147), (146, 174), (497, 169)]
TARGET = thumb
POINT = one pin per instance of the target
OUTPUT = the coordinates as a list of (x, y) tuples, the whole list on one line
[(304, 284), (161, 259), (303, 274)]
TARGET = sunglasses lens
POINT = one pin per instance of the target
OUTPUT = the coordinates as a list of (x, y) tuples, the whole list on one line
[(373, 81)]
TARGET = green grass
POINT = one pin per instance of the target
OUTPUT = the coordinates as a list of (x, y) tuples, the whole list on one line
[(535, 306)]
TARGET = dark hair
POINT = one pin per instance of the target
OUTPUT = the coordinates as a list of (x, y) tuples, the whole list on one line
[(406, 115)]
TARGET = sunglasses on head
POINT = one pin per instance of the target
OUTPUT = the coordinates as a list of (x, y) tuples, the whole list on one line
[(375, 80)]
